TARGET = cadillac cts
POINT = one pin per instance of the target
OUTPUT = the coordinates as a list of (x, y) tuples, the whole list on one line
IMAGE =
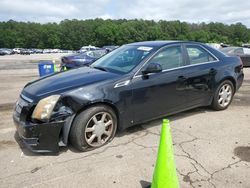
[(133, 84)]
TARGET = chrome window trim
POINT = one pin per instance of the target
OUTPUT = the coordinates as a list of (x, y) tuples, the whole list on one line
[(26, 98), (167, 70), (190, 65)]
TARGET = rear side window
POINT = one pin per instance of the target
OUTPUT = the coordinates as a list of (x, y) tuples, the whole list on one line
[(169, 58), (198, 55)]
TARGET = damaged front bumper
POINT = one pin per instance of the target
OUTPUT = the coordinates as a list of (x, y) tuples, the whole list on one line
[(40, 138)]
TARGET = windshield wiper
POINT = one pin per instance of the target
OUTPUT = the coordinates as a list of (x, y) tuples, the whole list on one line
[(101, 68)]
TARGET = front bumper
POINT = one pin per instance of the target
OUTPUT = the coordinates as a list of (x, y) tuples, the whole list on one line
[(39, 138)]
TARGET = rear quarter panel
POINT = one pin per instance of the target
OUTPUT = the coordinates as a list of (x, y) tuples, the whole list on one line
[(230, 68)]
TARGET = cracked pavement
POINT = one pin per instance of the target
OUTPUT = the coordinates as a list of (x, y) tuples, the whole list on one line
[(212, 149)]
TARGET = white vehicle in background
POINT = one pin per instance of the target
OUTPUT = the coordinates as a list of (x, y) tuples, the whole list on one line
[(17, 50), (47, 51), (87, 48), (55, 51), (246, 45), (218, 46), (214, 45)]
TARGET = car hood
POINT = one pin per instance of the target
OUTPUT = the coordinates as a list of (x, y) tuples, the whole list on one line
[(65, 81)]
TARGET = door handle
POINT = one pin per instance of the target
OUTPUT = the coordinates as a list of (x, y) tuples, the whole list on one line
[(212, 71)]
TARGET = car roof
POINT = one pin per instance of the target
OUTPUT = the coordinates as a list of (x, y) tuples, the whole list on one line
[(161, 43)]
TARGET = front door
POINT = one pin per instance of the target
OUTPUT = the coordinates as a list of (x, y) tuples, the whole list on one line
[(160, 93)]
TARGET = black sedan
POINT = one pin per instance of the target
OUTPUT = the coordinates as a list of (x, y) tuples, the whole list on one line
[(133, 84), (243, 53), (81, 59)]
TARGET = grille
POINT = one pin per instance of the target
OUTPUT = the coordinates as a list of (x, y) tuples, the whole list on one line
[(19, 106)]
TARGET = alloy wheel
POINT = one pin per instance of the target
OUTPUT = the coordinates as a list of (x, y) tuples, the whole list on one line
[(225, 95), (99, 129)]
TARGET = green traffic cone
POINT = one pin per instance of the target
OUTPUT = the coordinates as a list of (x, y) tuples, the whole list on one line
[(165, 171)]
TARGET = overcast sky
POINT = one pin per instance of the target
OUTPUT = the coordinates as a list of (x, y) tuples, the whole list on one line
[(43, 11)]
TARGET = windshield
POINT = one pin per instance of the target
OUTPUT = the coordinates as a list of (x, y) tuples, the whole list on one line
[(96, 53), (123, 59)]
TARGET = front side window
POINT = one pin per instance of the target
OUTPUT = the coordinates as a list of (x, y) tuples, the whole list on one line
[(169, 58), (96, 53), (198, 55)]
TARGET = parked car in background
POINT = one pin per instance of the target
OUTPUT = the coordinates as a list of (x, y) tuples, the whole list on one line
[(36, 51), (24, 51), (218, 46), (243, 53), (110, 47), (82, 59), (2, 52), (6, 51), (246, 45), (87, 48), (17, 50), (131, 85), (46, 51)]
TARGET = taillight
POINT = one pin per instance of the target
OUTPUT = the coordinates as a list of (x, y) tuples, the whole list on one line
[(239, 68)]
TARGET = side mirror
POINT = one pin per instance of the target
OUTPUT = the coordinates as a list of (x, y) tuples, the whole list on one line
[(152, 68)]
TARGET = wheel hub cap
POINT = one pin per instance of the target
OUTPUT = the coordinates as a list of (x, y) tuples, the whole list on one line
[(99, 129), (224, 96)]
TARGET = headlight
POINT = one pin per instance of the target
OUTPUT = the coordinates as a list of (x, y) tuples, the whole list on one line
[(45, 107)]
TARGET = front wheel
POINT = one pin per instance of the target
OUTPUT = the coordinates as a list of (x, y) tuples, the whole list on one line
[(223, 95), (93, 128)]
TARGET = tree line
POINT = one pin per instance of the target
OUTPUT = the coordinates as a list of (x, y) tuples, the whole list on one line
[(73, 34)]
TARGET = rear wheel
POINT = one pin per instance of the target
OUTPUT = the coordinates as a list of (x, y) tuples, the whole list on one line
[(223, 95), (93, 128)]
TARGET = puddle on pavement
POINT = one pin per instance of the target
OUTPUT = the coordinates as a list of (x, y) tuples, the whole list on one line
[(243, 152), (187, 178), (119, 156)]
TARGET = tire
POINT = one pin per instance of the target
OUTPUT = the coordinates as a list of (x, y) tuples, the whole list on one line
[(93, 128), (223, 95)]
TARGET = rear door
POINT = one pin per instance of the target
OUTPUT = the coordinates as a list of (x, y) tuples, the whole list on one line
[(200, 74)]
